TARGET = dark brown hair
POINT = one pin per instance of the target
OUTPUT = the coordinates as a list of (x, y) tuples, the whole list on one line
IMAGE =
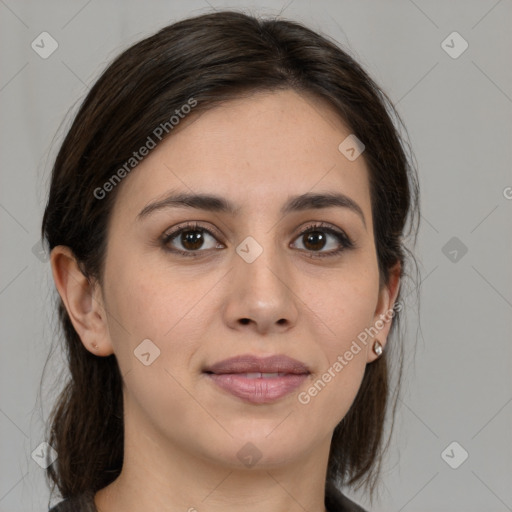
[(213, 58)]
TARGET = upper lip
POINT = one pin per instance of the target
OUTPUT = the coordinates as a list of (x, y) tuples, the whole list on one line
[(250, 364)]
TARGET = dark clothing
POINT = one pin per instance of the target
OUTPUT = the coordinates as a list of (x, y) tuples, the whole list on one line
[(82, 503), (335, 501)]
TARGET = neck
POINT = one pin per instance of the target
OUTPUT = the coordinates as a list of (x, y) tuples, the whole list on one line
[(159, 475)]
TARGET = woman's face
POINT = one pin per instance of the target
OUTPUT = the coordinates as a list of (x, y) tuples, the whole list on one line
[(250, 284)]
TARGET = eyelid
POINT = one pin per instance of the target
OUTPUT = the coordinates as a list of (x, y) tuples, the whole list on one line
[(312, 225), (191, 225)]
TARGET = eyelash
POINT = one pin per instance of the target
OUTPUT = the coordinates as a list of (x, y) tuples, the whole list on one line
[(343, 239)]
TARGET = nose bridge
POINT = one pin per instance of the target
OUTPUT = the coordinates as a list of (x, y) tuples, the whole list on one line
[(260, 265), (260, 289)]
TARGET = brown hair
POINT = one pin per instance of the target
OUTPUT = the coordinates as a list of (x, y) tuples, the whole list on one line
[(213, 58)]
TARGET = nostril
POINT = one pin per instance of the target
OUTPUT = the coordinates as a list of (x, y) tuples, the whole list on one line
[(245, 321)]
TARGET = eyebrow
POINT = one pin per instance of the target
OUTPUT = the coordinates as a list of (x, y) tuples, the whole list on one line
[(219, 204)]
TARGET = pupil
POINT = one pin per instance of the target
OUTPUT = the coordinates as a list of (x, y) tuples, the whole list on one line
[(192, 239), (316, 239)]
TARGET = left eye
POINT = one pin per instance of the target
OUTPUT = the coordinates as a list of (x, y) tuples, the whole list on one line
[(316, 238)]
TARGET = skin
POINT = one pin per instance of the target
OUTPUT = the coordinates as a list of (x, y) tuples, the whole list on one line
[(183, 433)]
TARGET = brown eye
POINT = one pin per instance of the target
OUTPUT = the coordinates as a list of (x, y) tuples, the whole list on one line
[(190, 240), (314, 240), (318, 237)]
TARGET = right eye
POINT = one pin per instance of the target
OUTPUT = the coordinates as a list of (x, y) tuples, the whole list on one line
[(192, 238)]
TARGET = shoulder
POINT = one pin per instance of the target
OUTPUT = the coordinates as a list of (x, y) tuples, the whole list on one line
[(335, 501), (82, 503)]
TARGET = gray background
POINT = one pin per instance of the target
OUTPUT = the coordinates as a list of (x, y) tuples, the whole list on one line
[(459, 115)]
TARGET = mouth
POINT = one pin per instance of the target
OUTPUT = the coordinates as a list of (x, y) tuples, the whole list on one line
[(258, 380)]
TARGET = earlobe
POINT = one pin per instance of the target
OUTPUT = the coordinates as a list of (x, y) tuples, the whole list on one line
[(384, 314), (82, 300)]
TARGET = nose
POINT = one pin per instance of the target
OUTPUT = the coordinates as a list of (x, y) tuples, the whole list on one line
[(260, 297)]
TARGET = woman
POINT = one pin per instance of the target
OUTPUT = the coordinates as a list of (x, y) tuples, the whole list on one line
[(225, 219)]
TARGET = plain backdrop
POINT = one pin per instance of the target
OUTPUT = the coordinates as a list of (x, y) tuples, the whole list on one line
[(457, 105)]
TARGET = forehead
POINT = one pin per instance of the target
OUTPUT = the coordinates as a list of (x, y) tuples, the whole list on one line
[(254, 150)]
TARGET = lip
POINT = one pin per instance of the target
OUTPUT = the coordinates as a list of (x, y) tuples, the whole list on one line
[(239, 376), (249, 363)]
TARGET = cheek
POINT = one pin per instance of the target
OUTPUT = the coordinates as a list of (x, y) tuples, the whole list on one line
[(341, 311), (173, 308), (340, 338), (143, 304), (344, 307)]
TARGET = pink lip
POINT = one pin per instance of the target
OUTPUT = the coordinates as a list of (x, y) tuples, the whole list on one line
[(231, 375), (248, 363)]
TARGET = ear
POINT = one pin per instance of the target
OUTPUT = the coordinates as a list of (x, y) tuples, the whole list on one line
[(83, 301), (385, 311)]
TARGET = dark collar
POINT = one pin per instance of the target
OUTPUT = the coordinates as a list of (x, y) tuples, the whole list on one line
[(335, 501)]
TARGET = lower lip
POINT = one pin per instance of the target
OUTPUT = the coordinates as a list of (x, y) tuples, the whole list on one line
[(259, 390)]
